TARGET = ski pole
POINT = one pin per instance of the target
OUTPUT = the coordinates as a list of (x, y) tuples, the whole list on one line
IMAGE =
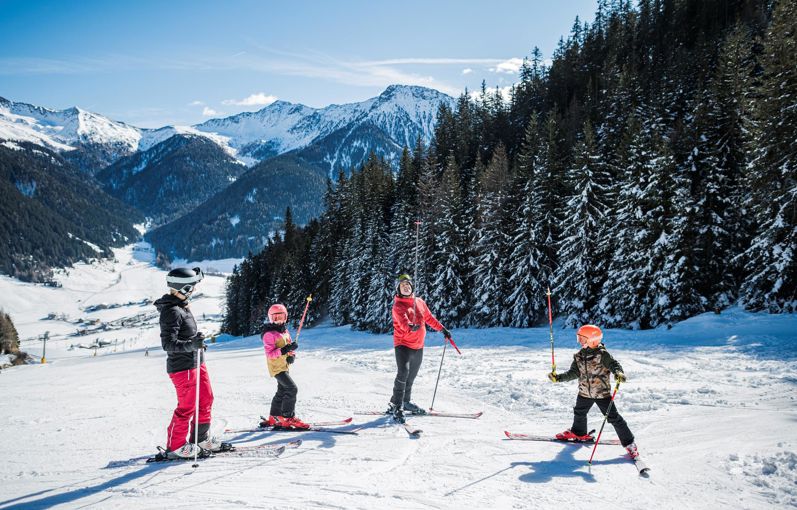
[(196, 409), (605, 417), (440, 370), (415, 274), (550, 325), (445, 343), (304, 314)]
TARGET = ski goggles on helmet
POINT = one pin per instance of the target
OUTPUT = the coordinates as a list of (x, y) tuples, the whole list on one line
[(183, 280)]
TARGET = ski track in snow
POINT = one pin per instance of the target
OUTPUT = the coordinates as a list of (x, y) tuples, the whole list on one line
[(709, 401)]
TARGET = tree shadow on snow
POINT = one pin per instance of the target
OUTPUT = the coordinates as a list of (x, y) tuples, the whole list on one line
[(67, 498)]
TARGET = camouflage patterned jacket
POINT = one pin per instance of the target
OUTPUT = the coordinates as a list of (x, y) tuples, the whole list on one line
[(592, 368)]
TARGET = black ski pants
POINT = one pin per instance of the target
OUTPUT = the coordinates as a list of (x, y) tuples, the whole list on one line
[(284, 401), (584, 404), (408, 361)]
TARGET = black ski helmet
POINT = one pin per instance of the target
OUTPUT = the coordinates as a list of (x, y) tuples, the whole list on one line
[(404, 278), (183, 279)]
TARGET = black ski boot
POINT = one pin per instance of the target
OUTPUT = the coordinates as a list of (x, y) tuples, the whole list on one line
[(414, 409), (395, 412)]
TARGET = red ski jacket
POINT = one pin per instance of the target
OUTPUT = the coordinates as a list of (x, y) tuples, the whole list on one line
[(404, 316)]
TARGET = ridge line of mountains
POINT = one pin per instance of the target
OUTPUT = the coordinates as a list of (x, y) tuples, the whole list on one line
[(215, 190)]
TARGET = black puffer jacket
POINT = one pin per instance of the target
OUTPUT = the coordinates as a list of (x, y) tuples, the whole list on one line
[(178, 329)]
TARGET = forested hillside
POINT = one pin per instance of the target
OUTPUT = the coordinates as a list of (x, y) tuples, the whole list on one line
[(646, 175)]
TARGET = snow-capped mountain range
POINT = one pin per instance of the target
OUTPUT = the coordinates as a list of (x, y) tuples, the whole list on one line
[(401, 114)]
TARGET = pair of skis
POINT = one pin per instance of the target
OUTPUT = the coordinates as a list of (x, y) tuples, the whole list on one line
[(640, 465), (321, 426), (261, 450), (416, 432)]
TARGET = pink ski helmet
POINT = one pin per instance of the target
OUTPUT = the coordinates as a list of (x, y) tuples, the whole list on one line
[(278, 313)]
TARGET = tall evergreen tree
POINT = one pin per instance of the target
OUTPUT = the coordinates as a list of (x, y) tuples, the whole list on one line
[(770, 262), (582, 253), (447, 287), (528, 270), (490, 242)]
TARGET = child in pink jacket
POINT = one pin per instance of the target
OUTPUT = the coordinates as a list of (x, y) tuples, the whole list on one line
[(280, 355)]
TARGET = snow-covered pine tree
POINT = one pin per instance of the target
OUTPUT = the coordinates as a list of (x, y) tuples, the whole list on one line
[(730, 118), (446, 290), (528, 276), (624, 296), (548, 182), (428, 229), (770, 265), (669, 222), (340, 281), (490, 243), (582, 255), (379, 183)]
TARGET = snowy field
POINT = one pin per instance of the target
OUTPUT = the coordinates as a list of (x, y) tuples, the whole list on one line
[(711, 402)]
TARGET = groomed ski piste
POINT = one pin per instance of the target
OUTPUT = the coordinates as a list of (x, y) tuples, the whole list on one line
[(711, 402)]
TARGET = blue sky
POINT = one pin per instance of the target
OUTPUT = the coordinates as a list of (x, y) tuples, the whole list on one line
[(156, 63)]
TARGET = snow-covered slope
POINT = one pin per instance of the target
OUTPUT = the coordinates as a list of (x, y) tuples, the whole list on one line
[(77, 129), (711, 402), (64, 129)]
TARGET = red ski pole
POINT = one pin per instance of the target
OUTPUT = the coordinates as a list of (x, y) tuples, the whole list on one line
[(605, 417), (550, 325), (304, 314)]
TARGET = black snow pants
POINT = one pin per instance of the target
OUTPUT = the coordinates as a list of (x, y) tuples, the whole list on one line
[(408, 361), (584, 404), (284, 401)]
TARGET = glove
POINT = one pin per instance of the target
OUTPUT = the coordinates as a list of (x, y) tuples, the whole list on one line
[(198, 341), (553, 377), (446, 333), (620, 377), (290, 359), (414, 327), (289, 347)]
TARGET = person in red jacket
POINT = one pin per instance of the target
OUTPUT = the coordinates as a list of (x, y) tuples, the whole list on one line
[(410, 317)]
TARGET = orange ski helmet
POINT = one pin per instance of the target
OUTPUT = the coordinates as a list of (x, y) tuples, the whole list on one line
[(589, 336), (278, 313)]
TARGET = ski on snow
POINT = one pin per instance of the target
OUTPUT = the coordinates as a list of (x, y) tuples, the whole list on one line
[(641, 466), (553, 439), (412, 431), (314, 427), (438, 414), (260, 450), (639, 463)]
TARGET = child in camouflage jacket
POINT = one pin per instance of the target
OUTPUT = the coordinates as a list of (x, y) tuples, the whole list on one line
[(592, 366)]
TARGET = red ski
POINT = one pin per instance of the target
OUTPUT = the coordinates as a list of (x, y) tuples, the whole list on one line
[(553, 439), (315, 425)]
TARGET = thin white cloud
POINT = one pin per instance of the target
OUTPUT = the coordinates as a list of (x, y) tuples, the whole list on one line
[(307, 64), (467, 70), (258, 99), (196, 103), (511, 66), (209, 112), (435, 61)]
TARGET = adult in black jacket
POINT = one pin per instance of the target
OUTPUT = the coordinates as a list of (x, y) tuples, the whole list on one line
[(183, 343)]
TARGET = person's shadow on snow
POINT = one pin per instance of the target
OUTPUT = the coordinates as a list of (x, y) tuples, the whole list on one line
[(564, 465)]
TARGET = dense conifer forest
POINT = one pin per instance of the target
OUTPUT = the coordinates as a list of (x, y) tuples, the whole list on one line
[(646, 172)]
